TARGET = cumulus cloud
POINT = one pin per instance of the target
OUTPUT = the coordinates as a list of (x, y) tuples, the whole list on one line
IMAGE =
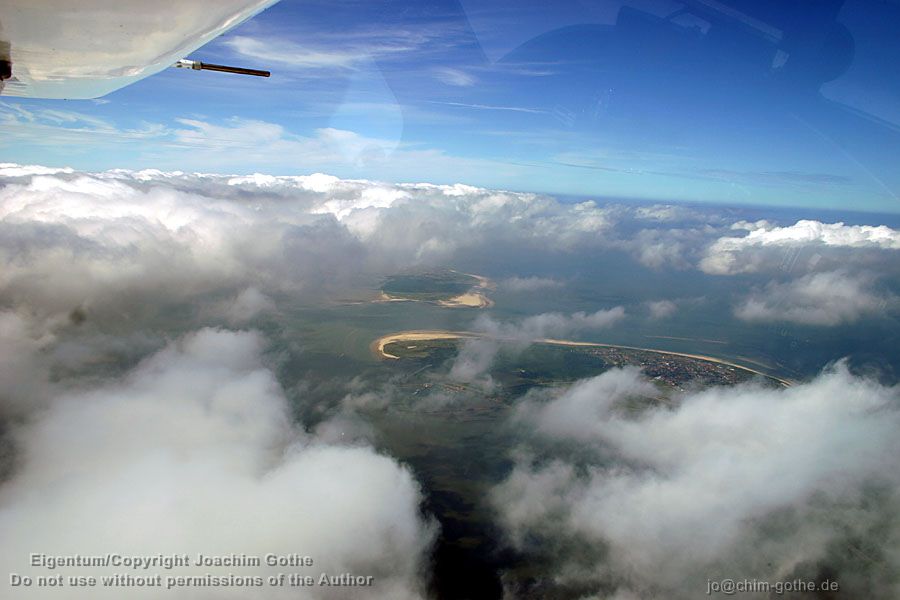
[(767, 245), (678, 495), (550, 325), (529, 284), (829, 298), (247, 305), (14, 170), (195, 444), (668, 212), (473, 360), (763, 233), (196, 447), (661, 309), (476, 355), (71, 239), (664, 248), (89, 242), (23, 375), (587, 405), (136, 251)]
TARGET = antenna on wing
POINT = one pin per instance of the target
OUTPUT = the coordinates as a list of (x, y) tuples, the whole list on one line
[(196, 65)]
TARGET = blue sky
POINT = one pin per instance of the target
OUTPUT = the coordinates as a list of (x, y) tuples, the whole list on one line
[(639, 99)]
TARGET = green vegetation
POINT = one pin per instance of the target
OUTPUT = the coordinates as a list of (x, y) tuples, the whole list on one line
[(433, 286), (542, 364)]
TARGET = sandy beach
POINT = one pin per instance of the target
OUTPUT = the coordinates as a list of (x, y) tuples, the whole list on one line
[(473, 298), (468, 300), (411, 336), (420, 335)]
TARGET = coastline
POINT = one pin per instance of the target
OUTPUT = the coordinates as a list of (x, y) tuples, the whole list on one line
[(474, 297), (378, 345)]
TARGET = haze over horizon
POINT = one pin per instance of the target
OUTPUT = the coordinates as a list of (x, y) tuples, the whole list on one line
[(616, 99)]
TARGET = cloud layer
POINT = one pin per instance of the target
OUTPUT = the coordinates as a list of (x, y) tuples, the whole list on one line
[(829, 298), (113, 430), (70, 239), (194, 451), (732, 482), (767, 245)]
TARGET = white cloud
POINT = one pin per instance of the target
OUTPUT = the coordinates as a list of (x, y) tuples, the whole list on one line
[(344, 49), (682, 494), (285, 52), (95, 241), (455, 77), (235, 143), (193, 451), (232, 144), (586, 407), (530, 284), (667, 212), (663, 248), (90, 264), (550, 325), (474, 359), (247, 305), (765, 244), (519, 109), (763, 233), (70, 239), (476, 356), (661, 309), (24, 381), (829, 298), (50, 127), (262, 142), (14, 170)]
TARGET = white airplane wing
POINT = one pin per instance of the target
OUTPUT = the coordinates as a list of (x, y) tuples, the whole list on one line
[(89, 48)]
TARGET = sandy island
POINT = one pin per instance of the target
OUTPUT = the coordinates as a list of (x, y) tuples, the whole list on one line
[(483, 282), (422, 335), (473, 298), (411, 336), (468, 300)]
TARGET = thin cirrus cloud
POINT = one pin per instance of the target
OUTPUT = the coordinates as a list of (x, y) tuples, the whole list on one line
[(284, 52), (269, 142), (348, 47), (51, 127), (234, 144), (455, 77), (507, 108), (777, 177)]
